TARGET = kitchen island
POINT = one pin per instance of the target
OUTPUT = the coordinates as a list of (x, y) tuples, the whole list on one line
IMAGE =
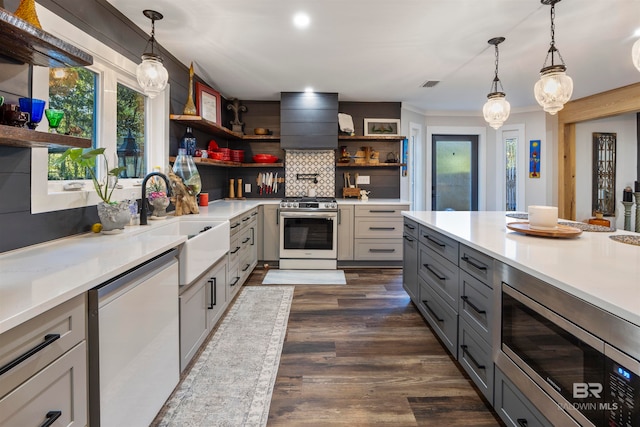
[(531, 319)]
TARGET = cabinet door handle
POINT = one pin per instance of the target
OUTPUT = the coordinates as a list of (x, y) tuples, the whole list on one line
[(435, 241), (253, 236), (382, 228), (410, 227), (472, 305), (246, 240), (373, 250), (246, 219), (408, 239), (235, 250), (254, 214), (246, 267), (465, 350), (51, 417), (277, 216), (237, 224), (435, 273), (235, 282), (379, 211), (433, 313), (522, 422), (473, 264), (48, 340), (213, 297)]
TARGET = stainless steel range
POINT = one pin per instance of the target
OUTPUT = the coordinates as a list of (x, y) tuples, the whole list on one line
[(309, 233)]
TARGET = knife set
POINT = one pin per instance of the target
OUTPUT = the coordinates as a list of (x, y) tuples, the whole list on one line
[(268, 183)]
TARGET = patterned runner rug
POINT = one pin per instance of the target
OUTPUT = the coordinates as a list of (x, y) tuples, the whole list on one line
[(304, 277), (232, 381)]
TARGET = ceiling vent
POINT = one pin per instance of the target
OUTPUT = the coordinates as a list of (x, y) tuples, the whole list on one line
[(430, 83)]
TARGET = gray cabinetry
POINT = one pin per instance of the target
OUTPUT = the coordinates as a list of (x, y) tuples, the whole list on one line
[(440, 274), (474, 354), (270, 226), (410, 252), (201, 305), (378, 232), (440, 315), (54, 378), (513, 407), (345, 232), (243, 250)]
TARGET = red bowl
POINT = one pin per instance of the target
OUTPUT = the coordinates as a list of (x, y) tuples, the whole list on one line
[(264, 158), (216, 155)]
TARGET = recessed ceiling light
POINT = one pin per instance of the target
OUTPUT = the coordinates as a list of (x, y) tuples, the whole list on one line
[(301, 20), (308, 89)]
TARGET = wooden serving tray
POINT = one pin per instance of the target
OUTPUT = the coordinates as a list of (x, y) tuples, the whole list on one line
[(560, 231)]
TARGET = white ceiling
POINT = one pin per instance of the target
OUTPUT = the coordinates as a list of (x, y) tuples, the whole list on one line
[(384, 50)]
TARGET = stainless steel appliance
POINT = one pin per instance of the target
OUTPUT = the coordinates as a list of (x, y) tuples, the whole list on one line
[(587, 365), (134, 362), (308, 233)]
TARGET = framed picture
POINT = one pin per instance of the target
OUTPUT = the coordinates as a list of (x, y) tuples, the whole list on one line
[(208, 103), (381, 127), (534, 158)]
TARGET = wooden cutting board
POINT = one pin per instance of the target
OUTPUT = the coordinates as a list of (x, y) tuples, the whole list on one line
[(560, 231)]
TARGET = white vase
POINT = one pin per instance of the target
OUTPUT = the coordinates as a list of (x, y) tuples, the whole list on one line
[(114, 216), (159, 205)]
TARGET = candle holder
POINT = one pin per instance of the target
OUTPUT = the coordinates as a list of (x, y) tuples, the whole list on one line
[(637, 196), (627, 215)]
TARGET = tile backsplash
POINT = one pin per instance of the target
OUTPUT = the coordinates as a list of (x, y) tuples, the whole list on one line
[(321, 162)]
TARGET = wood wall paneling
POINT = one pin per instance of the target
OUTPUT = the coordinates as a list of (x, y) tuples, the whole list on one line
[(622, 100)]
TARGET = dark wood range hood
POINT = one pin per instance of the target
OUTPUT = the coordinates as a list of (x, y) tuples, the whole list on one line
[(308, 121)]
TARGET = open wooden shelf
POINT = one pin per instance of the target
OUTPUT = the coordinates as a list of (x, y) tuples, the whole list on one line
[(25, 43), (261, 138), (369, 165), (371, 138), (227, 164), (23, 137), (204, 125)]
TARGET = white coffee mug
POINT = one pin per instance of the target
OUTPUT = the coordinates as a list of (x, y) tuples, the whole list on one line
[(543, 217)]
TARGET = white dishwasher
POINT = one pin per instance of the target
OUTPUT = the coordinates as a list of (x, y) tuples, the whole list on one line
[(134, 360)]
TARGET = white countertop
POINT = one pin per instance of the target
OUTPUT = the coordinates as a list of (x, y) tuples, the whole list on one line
[(592, 267), (37, 278)]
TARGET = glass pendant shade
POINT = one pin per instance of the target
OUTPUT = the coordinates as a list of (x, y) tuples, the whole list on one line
[(635, 54), (554, 89), (496, 110), (151, 74)]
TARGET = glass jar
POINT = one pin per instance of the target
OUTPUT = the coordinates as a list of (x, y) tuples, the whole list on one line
[(185, 168), (188, 142)]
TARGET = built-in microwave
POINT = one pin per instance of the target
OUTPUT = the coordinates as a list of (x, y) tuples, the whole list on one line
[(595, 383)]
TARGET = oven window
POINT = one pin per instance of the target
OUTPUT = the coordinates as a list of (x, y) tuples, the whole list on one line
[(557, 356), (308, 233)]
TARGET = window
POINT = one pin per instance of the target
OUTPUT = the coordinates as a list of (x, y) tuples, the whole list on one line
[(72, 90), (107, 113)]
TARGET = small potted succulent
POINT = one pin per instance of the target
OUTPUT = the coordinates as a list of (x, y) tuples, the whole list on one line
[(157, 196), (113, 215)]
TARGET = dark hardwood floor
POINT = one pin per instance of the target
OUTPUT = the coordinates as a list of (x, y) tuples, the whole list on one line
[(362, 355)]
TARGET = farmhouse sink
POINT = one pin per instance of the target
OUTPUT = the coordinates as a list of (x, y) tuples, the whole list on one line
[(207, 242)]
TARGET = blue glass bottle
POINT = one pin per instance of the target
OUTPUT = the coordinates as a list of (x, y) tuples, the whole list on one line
[(188, 142)]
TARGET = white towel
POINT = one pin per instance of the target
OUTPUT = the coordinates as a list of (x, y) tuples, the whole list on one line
[(346, 123)]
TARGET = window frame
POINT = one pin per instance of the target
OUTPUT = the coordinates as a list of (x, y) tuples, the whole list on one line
[(112, 68)]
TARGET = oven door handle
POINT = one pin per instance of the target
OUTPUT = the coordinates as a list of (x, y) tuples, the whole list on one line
[(331, 215)]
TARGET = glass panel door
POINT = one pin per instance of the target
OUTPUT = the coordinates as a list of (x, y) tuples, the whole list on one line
[(454, 173)]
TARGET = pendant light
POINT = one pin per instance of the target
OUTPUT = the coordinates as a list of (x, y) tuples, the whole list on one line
[(635, 54), (554, 88), (151, 74), (497, 108)]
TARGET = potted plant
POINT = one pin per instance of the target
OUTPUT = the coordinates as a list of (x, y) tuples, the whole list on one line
[(157, 196), (113, 215)]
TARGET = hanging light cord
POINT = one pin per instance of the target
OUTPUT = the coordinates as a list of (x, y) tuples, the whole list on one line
[(552, 48), (496, 80), (152, 40)]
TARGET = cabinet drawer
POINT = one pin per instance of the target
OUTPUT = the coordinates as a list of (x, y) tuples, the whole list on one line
[(57, 391), (233, 281), (54, 332), (378, 228), (477, 264), (513, 407), (443, 245), (411, 228), (410, 266), (380, 210), (440, 274), (193, 319), (378, 249), (474, 354), (476, 305), (440, 316), (234, 249), (235, 224)]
